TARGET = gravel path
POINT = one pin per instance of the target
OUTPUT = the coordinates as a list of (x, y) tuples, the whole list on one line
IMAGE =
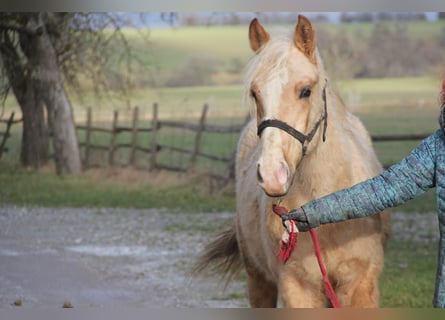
[(100, 257), (104, 257)]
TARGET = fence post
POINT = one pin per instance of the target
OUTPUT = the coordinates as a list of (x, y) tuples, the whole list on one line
[(197, 146), (88, 138), (134, 136), (154, 137), (112, 148), (6, 134)]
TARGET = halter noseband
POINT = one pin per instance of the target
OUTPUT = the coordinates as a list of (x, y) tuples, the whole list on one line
[(303, 138)]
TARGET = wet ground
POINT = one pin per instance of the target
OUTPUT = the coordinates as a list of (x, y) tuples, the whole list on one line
[(121, 257), (107, 257)]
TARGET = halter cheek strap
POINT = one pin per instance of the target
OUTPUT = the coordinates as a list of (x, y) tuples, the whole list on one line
[(303, 138)]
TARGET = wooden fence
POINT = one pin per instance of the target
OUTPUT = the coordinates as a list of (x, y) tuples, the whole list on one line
[(7, 133), (145, 139), (152, 152)]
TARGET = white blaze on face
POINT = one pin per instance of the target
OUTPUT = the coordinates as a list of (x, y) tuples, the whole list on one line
[(273, 171)]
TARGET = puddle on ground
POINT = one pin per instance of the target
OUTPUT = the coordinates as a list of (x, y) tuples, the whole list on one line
[(9, 253), (118, 251), (14, 253)]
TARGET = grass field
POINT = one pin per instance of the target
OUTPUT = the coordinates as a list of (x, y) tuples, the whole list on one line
[(175, 44), (382, 105), (163, 51), (409, 275), (408, 278)]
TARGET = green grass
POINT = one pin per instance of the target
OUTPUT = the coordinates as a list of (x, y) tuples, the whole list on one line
[(360, 95), (409, 275), (31, 188), (386, 117), (183, 102), (224, 43), (166, 49), (175, 44), (402, 105), (372, 94), (420, 29), (398, 120)]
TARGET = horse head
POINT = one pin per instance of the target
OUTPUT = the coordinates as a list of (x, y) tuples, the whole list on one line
[(285, 86)]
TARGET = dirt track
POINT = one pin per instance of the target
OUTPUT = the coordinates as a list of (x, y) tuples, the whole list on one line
[(108, 257)]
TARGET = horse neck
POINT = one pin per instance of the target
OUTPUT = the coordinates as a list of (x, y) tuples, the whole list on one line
[(328, 158)]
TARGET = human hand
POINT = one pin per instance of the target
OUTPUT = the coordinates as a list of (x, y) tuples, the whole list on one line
[(298, 215)]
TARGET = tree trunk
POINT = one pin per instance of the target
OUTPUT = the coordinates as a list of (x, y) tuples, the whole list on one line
[(35, 142), (43, 58)]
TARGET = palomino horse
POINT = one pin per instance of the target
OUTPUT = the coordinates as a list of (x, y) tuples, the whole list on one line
[(302, 143)]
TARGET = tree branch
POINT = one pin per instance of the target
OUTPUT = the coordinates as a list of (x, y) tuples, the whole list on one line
[(4, 26)]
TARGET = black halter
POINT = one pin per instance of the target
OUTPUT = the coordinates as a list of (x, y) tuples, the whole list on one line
[(303, 138)]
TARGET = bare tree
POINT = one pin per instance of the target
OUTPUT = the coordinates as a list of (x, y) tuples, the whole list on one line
[(30, 61), (34, 149), (40, 53)]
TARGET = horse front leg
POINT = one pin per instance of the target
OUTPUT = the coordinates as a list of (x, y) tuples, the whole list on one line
[(262, 293), (363, 292), (297, 293)]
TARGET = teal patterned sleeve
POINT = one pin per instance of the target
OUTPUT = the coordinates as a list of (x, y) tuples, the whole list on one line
[(403, 181)]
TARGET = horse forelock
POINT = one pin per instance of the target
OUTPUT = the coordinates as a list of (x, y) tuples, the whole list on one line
[(270, 66)]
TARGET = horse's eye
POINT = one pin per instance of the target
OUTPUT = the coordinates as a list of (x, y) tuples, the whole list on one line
[(305, 93)]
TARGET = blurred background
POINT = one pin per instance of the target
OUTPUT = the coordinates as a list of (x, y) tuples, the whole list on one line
[(386, 66), (144, 110)]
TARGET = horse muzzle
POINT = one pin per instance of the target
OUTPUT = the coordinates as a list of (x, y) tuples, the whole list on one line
[(274, 179)]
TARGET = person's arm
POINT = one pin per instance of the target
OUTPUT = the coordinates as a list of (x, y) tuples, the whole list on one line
[(401, 182)]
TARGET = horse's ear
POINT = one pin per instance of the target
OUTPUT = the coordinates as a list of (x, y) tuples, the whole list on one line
[(304, 38), (258, 36)]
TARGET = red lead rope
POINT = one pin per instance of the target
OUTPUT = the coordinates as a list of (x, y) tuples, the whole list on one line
[(286, 248)]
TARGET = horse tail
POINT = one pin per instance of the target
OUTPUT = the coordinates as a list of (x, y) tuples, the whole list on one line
[(221, 256)]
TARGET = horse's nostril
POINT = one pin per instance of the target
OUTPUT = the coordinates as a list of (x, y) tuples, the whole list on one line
[(258, 174)]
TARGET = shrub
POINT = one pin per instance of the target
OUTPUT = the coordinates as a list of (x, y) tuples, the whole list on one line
[(197, 70)]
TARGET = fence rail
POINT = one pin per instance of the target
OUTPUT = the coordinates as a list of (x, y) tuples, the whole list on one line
[(153, 151), (151, 135), (6, 134), (399, 137)]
